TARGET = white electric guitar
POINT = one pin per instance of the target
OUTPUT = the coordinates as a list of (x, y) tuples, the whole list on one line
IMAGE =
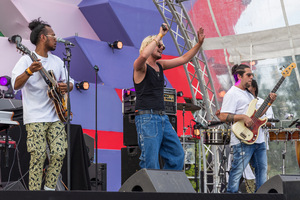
[(249, 135)]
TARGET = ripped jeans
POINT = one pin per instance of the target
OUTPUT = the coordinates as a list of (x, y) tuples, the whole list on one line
[(256, 154), (156, 136)]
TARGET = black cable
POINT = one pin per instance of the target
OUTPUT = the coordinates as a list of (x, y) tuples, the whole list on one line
[(22, 177)]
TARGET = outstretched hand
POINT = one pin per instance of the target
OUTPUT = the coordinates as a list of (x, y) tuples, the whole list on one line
[(201, 35)]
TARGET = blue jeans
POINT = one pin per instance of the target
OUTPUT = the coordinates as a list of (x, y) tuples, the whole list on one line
[(156, 136), (242, 154)]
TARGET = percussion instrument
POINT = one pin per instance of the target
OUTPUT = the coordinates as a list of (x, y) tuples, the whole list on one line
[(285, 134), (217, 136)]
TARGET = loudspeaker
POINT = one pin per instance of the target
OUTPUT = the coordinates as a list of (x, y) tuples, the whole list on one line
[(147, 180), (129, 128), (173, 121), (282, 184), (89, 143), (129, 162), (102, 176), (14, 186)]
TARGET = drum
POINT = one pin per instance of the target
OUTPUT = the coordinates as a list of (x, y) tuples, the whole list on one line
[(217, 136), (285, 134)]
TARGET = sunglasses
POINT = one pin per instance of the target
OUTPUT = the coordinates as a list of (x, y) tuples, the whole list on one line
[(161, 45), (250, 74)]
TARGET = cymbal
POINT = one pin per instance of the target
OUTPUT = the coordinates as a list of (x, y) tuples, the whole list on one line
[(187, 107)]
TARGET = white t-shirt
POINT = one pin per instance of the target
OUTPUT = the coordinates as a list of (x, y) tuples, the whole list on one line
[(37, 106), (236, 101)]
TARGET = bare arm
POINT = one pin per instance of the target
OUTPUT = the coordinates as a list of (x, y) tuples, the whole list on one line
[(22, 78), (139, 65), (231, 118), (169, 64)]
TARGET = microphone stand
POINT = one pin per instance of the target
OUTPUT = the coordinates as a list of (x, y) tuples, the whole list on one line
[(68, 59), (96, 68)]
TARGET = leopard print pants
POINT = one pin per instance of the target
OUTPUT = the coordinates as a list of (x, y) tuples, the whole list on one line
[(39, 135)]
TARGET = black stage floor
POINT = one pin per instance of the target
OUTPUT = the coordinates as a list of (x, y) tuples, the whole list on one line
[(85, 195)]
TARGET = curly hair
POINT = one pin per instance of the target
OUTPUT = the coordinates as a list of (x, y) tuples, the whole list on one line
[(37, 28)]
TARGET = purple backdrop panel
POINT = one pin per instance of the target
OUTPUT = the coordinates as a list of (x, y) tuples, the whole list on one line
[(132, 20), (80, 66), (112, 158), (104, 21), (115, 67), (109, 113)]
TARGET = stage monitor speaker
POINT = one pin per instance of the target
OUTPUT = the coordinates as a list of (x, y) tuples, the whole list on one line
[(147, 180), (282, 184), (89, 143), (102, 176)]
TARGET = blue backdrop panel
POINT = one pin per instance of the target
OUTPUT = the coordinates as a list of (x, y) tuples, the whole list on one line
[(132, 20), (115, 67), (80, 67), (104, 21), (110, 116), (113, 160)]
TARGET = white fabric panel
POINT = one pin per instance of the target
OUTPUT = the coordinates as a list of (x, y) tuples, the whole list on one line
[(266, 44)]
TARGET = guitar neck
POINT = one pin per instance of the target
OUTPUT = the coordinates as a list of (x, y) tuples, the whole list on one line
[(268, 99), (43, 71)]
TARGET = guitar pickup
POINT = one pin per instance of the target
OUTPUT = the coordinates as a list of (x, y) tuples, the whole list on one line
[(243, 135)]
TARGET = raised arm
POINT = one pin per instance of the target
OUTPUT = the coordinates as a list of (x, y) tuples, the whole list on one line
[(139, 65), (169, 64)]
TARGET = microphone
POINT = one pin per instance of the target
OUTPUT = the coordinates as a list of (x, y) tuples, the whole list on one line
[(214, 123), (294, 122), (199, 124), (15, 39), (66, 42), (164, 27)]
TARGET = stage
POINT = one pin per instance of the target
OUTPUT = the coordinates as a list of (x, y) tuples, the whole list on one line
[(80, 195)]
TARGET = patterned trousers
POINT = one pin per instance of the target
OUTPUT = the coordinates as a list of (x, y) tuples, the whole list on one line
[(39, 135)]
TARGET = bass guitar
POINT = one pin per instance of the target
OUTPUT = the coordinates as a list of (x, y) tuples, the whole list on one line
[(59, 100), (249, 135)]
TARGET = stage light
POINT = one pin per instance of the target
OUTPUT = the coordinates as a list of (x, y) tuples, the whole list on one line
[(179, 93), (83, 85), (6, 81), (116, 45)]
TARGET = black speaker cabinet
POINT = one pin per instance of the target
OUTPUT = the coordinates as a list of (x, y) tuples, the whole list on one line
[(282, 184), (129, 129), (129, 162), (102, 176), (89, 143), (147, 180)]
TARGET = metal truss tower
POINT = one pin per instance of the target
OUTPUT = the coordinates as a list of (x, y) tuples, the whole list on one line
[(200, 83)]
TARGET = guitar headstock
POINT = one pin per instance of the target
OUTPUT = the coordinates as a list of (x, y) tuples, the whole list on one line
[(287, 71)]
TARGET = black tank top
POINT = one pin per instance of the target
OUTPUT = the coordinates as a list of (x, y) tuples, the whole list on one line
[(150, 92)]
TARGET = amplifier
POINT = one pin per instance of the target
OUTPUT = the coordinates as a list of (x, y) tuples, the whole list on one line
[(129, 129), (129, 98)]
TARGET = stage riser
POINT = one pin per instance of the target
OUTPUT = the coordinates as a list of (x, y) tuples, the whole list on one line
[(80, 195)]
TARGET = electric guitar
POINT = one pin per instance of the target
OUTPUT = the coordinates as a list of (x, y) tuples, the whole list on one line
[(59, 100), (249, 135)]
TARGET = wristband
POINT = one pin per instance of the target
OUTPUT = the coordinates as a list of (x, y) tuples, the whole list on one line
[(28, 72), (160, 35)]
